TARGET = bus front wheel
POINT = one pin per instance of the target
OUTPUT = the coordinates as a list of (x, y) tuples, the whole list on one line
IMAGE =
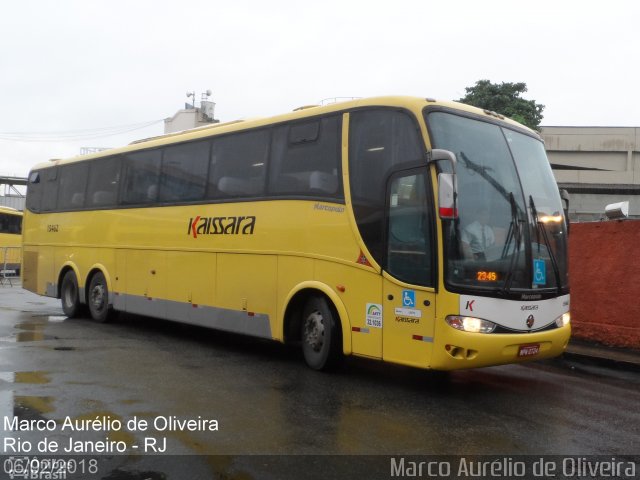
[(69, 295), (320, 335), (98, 298)]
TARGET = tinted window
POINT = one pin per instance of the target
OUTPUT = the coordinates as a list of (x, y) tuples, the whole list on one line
[(142, 172), (49, 180), (104, 179), (409, 235), (306, 132), (305, 159), (184, 172), (15, 224), (238, 165), (72, 187), (10, 223), (34, 191), (379, 141)]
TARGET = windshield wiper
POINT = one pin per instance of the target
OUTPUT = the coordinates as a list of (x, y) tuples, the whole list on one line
[(484, 173), (540, 228), (515, 234)]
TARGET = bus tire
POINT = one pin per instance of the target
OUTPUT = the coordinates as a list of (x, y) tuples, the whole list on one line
[(69, 295), (320, 335), (98, 298)]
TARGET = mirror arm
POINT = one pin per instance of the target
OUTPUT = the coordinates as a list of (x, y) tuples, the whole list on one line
[(439, 155)]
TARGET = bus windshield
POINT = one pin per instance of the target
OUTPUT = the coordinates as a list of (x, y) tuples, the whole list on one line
[(510, 234)]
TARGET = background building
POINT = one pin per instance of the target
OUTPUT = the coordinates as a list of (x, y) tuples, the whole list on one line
[(192, 116), (12, 192), (597, 166)]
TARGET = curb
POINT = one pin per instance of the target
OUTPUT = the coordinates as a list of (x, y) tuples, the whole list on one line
[(611, 357)]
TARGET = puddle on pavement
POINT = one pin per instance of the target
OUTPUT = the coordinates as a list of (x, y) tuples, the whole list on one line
[(30, 326), (50, 317), (29, 332), (34, 407), (38, 377), (30, 336), (29, 407), (108, 418)]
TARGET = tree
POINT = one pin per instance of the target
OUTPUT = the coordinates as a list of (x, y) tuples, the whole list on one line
[(505, 99)]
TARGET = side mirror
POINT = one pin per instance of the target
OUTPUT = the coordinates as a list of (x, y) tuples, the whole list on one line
[(447, 184), (447, 193), (564, 196)]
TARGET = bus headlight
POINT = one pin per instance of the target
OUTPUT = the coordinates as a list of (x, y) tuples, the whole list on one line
[(470, 324), (563, 319)]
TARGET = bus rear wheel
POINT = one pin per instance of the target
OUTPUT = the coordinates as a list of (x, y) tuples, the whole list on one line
[(98, 298), (320, 334), (69, 295)]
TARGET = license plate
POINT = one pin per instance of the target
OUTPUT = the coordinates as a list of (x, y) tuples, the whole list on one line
[(528, 350)]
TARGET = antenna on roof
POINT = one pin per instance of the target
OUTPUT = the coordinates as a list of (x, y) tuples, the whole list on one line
[(193, 96)]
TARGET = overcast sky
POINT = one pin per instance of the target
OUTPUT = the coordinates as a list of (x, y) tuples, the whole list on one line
[(75, 70)]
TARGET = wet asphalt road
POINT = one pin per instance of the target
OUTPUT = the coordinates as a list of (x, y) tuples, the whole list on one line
[(263, 400)]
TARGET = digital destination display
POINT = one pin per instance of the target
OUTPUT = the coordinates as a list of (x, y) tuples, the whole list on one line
[(487, 276)]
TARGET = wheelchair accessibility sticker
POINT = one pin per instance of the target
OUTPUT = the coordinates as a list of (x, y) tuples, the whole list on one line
[(539, 272), (408, 298)]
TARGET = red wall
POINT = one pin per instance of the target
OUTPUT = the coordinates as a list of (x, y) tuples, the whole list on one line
[(604, 269)]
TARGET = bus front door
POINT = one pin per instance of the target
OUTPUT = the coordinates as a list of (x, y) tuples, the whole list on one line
[(408, 293), (409, 316)]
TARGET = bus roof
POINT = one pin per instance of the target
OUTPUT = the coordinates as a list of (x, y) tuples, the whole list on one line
[(411, 103), (10, 210)]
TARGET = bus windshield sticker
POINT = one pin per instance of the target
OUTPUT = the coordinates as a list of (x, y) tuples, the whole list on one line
[(539, 272)]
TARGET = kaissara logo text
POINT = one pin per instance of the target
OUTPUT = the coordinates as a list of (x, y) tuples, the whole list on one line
[(221, 226)]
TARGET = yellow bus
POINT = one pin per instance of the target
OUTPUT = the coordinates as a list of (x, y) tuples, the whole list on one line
[(402, 229), (10, 241)]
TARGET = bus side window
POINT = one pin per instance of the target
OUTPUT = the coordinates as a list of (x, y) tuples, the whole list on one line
[(73, 183), (142, 172), (10, 223), (184, 172), (409, 235), (305, 159), (49, 189), (238, 165), (34, 191), (15, 224), (380, 140), (104, 179)]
